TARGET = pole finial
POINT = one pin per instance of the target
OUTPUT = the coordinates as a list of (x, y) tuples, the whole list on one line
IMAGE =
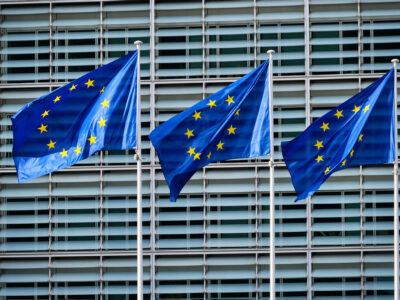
[(271, 52), (138, 43), (395, 61)]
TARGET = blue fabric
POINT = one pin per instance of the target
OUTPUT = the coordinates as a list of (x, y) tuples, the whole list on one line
[(232, 123), (94, 112), (360, 131)]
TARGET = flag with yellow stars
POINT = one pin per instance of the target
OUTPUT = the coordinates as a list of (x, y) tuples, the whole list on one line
[(94, 112), (358, 132), (232, 123)]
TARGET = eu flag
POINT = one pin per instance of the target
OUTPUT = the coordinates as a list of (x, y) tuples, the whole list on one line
[(358, 132), (232, 123), (94, 112)]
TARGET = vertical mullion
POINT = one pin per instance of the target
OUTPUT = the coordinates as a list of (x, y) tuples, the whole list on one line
[(50, 207), (362, 274), (204, 64), (101, 206), (361, 191), (204, 179), (372, 48), (101, 200), (203, 40), (362, 287), (152, 153), (36, 67), (51, 42), (256, 225), (187, 51), (50, 234), (255, 31), (101, 152), (204, 276), (152, 233), (50, 276), (3, 44), (152, 40), (101, 57), (307, 51), (359, 33), (341, 46), (101, 33), (101, 277), (256, 204), (204, 205), (218, 50)]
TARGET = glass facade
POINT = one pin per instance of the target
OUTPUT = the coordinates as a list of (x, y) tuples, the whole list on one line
[(72, 234)]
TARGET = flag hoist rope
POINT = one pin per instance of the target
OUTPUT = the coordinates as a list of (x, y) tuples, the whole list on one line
[(396, 191), (138, 157), (271, 183)]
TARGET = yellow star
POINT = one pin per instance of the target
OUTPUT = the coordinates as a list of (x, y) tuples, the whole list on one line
[(231, 130), (211, 103), (209, 155), (78, 150), (102, 90), (105, 103), (356, 109), (366, 108), (237, 112), (360, 137), (92, 139), (325, 126), (46, 113), (230, 100), (339, 113), (197, 156), (343, 163), (102, 122), (327, 170), (319, 144), (191, 151), (57, 99), (43, 128), (189, 133), (51, 144), (319, 158), (73, 87), (89, 83), (64, 153), (197, 115), (219, 146), (351, 153)]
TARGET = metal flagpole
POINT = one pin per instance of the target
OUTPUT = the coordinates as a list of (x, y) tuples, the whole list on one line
[(396, 192), (271, 183), (138, 157)]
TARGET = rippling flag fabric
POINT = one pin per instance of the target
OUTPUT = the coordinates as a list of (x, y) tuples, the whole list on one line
[(94, 112), (232, 123), (360, 131)]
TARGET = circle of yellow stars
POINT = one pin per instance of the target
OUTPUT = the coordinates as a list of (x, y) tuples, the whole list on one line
[(197, 116), (325, 126), (92, 139)]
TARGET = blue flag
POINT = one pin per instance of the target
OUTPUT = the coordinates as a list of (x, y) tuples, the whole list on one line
[(232, 123), (360, 131), (94, 112)]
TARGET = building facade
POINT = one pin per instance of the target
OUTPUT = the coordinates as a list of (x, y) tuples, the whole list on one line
[(72, 234)]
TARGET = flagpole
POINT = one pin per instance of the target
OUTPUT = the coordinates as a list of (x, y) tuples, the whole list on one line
[(138, 157), (271, 183), (396, 191)]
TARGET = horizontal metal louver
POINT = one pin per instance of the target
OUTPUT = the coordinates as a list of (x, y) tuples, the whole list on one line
[(72, 234)]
